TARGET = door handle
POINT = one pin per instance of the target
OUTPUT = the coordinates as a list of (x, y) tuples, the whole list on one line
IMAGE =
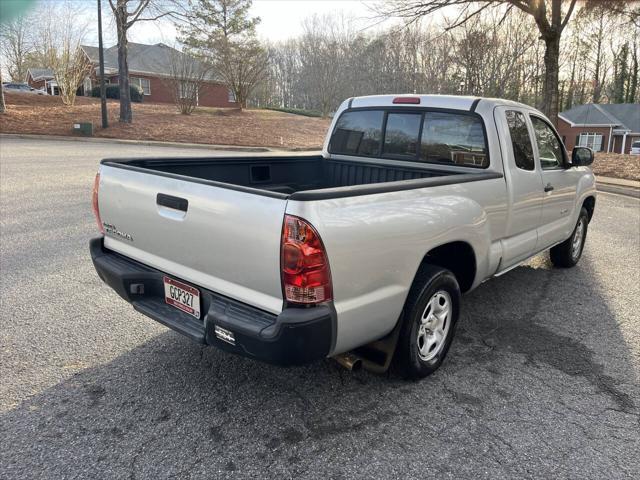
[(548, 187), (170, 201)]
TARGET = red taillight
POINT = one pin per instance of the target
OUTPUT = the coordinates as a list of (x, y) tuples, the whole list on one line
[(94, 201), (407, 100), (305, 269)]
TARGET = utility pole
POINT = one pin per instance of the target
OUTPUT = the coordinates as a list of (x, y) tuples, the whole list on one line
[(103, 91)]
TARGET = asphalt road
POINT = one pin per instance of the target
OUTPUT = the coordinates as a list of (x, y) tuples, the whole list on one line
[(542, 380)]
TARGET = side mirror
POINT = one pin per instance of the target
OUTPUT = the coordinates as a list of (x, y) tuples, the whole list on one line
[(581, 157)]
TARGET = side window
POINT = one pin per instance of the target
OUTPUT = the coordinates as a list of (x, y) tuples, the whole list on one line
[(592, 140), (520, 140), (549, 146), (453, 138), (401, 134), (358, 133)]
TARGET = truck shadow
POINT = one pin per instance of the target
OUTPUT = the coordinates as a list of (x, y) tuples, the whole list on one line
[(533, 345)]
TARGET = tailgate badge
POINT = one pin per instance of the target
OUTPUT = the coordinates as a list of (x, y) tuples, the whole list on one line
[(113, 230)]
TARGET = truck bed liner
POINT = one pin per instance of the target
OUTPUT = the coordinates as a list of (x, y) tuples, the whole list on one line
[(294, 176)]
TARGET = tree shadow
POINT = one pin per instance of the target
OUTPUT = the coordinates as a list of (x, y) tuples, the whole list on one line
[(539, 375)]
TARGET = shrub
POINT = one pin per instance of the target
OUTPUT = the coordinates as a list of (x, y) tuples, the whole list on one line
[(136, 93), (113, 91), (297, 111)]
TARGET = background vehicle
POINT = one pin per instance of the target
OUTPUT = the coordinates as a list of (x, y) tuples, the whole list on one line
[(356, 253), (635, 148), (22, 88)]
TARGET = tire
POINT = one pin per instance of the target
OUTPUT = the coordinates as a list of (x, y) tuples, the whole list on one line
[(568, 253), (420, 350)]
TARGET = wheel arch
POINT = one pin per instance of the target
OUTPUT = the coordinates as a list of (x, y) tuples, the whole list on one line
[(457, 256), (589, 204)]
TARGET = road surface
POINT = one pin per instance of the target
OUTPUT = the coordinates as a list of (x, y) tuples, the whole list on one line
[(541, 380)]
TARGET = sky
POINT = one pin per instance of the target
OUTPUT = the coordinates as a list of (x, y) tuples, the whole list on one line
[(280, 19)]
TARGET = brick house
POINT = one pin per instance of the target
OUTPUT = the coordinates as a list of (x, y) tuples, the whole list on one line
[(602, 127), (42, 79), (149, 68)]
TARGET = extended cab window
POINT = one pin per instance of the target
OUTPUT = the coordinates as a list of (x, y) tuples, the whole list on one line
[(358, 133), (401, 134), (520, 140), (549, 146), (453, 138)]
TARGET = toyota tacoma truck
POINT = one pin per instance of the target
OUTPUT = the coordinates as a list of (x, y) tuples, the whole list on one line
[(360, 253)]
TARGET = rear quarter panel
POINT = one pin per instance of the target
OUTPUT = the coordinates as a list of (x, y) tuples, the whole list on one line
[(375, 244)]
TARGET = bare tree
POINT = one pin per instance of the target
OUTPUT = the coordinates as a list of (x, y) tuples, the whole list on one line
[(187, 77), (323, 55), (549, 16), (127, 13), (61, 36), (491, 54), (17, 47)]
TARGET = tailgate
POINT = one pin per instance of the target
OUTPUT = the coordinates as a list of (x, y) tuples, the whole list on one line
[(227, 241)]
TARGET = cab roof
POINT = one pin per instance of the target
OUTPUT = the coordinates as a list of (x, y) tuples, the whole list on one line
[(454, 102)]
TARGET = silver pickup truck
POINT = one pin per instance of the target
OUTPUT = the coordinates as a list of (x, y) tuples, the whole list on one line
[(360, 253)]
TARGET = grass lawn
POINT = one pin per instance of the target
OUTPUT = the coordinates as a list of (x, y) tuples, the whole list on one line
[(220, 126)]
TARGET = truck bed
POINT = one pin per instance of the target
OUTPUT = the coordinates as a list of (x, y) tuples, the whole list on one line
[(284, 175)]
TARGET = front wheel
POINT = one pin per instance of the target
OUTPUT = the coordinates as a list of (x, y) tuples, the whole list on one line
[(567, 253), (429, 320)]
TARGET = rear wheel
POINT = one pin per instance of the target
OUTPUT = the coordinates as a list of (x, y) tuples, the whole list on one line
[(567, 253), (428, 324)]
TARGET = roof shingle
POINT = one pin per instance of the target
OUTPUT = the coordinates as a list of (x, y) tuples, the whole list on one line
[(624, 116), (151, 59)]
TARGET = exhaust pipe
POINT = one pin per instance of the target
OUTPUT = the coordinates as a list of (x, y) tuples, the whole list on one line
[(349, 361)]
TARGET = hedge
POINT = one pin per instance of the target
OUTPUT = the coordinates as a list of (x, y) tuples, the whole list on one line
[(113, 91)]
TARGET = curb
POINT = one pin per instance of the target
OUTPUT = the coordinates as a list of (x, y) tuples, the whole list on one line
[(618, 189), (153, 143), (620, 186)]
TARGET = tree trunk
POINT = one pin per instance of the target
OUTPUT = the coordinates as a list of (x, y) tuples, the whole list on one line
[(126, 116), (597, 86), (569, 101), (3, 108), (551, 68), (633, 83)]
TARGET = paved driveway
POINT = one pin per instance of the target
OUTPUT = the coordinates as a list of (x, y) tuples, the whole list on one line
[(541, 380)]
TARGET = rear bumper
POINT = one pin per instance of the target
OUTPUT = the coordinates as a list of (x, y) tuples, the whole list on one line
[(294, 337)]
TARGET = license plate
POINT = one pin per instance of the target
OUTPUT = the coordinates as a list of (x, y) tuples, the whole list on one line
[(182, 296)]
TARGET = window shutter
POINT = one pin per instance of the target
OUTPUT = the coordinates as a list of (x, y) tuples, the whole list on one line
[(577, 140), (604, 141)]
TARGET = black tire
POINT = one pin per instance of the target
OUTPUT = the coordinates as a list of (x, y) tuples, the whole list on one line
[(429, 282), (564, 255)]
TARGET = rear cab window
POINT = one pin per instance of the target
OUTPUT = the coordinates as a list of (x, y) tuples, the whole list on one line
[(425, 136), (401, 134), (358, 133)]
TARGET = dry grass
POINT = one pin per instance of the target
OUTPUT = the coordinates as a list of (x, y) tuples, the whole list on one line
[(617, 165), (263, 128)]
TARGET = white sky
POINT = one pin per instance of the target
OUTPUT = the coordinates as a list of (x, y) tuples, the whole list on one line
[(280, 20)]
